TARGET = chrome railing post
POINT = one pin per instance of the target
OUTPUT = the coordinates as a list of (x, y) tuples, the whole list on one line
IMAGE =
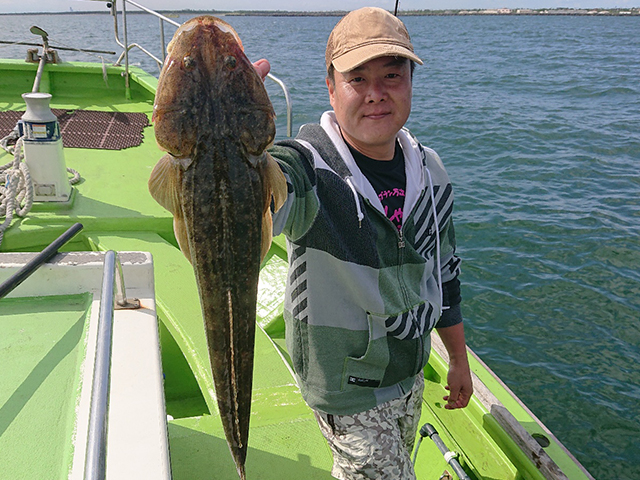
[(126, 51), (163, 19), (95, 465), (162, 44), (287, 99), (121, 300)]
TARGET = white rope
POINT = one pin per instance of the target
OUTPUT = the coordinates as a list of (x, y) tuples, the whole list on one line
[(16, 186), (105, 77), (76, 176)]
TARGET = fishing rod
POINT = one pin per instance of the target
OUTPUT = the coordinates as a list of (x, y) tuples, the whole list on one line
[(395, 11)]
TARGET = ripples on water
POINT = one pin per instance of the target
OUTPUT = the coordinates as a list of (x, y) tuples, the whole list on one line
[(538, 122)]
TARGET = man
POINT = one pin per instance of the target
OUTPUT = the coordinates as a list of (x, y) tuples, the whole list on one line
[(371, 250)]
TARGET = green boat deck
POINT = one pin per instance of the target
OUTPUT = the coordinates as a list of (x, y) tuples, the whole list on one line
[(113, 204), (41, 349)]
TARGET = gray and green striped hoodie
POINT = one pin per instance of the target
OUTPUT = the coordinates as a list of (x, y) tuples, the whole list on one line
[(362, 296)]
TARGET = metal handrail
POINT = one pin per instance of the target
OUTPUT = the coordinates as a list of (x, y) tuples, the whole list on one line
[(154, 13), (287, 99), (126, 47), (112, 297), (95, 464)]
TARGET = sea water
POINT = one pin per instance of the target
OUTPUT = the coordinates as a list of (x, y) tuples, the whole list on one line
[(537, 120)]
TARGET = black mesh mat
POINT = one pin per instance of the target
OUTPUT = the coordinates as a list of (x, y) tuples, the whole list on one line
[(90, 129)]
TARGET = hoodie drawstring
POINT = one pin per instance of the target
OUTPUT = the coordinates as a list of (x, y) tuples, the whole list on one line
[(435, 222), (357, 200)]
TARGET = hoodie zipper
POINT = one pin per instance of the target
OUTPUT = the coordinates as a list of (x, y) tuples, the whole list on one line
[(401, 283)]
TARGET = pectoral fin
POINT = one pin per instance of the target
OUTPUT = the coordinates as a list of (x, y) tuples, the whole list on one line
[(180, 231), (165, 183), (267, 234), (165, 186), (276, 183), (275, 189)]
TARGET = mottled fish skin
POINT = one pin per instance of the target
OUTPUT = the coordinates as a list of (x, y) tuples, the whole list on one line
[(214, 117)]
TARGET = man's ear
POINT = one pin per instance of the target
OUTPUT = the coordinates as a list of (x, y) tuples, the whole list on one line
[(331, 87)]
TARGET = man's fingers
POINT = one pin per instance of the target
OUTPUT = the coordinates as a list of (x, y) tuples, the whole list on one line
[(455, 399), (263, 67)]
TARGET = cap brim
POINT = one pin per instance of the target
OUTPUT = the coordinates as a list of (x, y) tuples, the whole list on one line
[(360, 56)]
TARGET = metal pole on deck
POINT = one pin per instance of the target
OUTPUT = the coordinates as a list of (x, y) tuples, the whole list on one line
[(96, 459), (429, 430), (127, 89), (164, 49), (11, 283)]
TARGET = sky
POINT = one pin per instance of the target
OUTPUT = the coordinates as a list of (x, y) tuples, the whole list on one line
[(15, 6)]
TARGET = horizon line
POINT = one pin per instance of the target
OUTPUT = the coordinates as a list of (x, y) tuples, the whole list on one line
[(334, 12)]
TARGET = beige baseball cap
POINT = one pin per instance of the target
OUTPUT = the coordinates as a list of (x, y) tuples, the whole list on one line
[(365, 34)]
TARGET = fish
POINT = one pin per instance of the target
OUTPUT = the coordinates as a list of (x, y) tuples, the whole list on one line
[(213, 117)]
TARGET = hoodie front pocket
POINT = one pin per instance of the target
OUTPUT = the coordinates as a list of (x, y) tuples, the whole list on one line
[(369, 369), (396, 349)]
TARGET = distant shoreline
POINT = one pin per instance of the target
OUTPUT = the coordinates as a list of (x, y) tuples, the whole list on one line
[(403, 13)]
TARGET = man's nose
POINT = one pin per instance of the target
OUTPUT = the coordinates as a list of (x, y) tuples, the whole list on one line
[(377, 92)]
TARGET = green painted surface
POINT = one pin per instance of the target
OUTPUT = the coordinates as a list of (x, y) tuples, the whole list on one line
[(181, 391), (76, 83), (41, 349), (463, 430), (199, 451), (112, 195)]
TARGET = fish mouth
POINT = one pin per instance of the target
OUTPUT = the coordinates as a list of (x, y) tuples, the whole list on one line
[(226, 28)]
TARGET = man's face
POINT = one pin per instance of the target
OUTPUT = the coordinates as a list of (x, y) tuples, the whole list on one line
[(372, 103)]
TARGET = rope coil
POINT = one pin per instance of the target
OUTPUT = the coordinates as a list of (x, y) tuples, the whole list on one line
[(16, 185)]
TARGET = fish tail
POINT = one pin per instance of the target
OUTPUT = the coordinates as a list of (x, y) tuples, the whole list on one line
[(241, 472)]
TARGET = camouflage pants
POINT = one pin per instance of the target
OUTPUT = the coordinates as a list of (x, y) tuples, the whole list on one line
[(377, 443)]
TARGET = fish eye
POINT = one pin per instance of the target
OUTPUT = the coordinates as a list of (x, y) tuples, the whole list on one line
[(230, 62), (189, 63)]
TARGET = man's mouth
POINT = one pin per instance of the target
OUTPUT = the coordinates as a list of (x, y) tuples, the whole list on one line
[(376, 115)]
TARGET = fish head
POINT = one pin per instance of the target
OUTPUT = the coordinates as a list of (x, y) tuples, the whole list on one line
[(209, 86)]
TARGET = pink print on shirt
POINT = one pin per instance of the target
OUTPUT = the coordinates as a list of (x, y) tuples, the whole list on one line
[(396, 192), (386, 198)]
